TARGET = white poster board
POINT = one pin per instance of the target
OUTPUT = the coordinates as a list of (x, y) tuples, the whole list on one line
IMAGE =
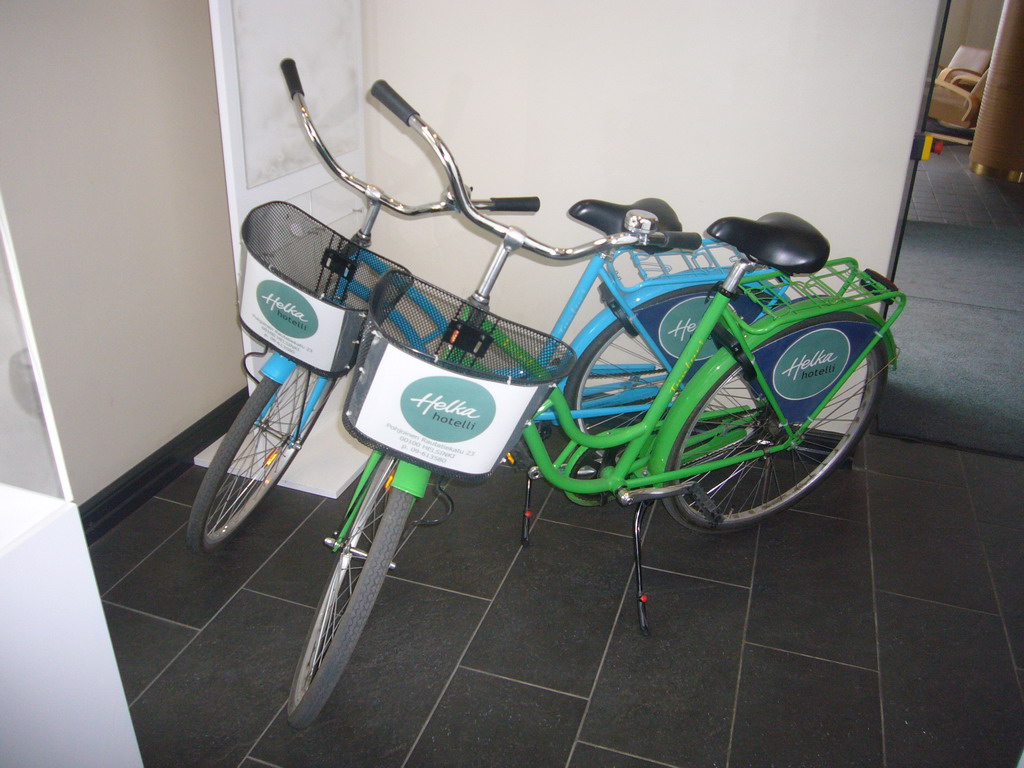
[(266, 156)]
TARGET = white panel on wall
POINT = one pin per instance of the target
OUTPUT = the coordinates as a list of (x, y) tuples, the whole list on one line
[(267, 31), (268, 158), (266, 154)]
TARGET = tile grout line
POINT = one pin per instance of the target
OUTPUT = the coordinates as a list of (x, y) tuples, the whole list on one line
[(878, 633), (822, 659), (248, 755), (527, 683), (135, 567), (938, 602), (822, 514), (995, 590), (650, 760), (600, 666), (905, 477), (743, 647), (150, 615), (172, 501), (698, 578), (222, 607), (439, 589), (588, 528), (465, 650), (277, 598)]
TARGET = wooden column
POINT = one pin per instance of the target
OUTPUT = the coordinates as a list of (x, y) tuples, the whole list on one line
[(998, 148)]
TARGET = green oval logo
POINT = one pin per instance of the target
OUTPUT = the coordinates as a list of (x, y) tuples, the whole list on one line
[(811, 364), (286, 309), (678, 325), (448, 409)]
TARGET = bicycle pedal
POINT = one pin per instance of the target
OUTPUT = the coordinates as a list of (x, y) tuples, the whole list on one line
[(697, 498)]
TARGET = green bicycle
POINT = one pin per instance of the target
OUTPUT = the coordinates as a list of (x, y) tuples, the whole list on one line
[(801, 346)]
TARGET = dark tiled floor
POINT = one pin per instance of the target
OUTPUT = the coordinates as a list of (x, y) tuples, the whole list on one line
[(946, 191), (881, 624)]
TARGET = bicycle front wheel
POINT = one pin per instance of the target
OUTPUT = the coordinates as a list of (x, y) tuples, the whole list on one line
[(254, 454), (742, 494), (618, 370), (362, 563)]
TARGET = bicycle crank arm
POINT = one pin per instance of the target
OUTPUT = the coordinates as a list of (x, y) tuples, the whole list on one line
[(331, 543), (628, 497)]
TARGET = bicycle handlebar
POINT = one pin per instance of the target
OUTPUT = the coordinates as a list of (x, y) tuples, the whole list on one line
[(389, 97), (458, 199), (291, 77)]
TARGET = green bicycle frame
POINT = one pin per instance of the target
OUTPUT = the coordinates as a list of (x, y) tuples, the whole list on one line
[(407, 477), (646, 446)]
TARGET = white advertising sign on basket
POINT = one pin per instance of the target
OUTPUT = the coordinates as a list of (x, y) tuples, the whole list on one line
[(288, 319), (451, 421)]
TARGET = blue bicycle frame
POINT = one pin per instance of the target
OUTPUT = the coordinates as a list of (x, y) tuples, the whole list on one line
[(601, 267)]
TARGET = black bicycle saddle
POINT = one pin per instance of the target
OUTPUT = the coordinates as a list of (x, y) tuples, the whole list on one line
[(779, 240), (610, 218)]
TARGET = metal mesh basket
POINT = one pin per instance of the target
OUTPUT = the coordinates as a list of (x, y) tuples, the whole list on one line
[(445, 384), (289, 251)]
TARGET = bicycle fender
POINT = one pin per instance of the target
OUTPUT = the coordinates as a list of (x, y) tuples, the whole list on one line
[(870, 315), (598, 323), (633, 298), (278, 368), (687, 400), (411, 479), (695, 389)]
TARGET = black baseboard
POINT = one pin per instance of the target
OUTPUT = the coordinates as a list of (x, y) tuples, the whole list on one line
[(126, 494)]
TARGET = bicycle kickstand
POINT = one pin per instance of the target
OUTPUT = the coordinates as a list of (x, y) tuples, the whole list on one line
[(532, 474), (641, 597)]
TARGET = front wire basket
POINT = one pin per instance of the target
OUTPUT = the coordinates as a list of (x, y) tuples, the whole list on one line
[(322, 265), (445, 384), (451, 333)]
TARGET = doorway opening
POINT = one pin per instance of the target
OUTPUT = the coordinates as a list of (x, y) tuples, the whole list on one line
[(961, 263)]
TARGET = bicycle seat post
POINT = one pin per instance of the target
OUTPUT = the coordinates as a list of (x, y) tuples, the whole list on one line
[(731, 283)]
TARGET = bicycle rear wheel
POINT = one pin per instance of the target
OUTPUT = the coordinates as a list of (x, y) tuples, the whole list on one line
[(255, 452), (742, 494), (618, 369), (362, 563)]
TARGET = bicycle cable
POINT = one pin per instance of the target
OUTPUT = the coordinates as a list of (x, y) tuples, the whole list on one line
[(449, 503), (245, 363)]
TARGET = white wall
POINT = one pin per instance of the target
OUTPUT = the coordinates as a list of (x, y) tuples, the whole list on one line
[(113, 181), (731, 108), (970, 22)]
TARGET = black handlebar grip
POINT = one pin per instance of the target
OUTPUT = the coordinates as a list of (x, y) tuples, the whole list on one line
[(291, 77), (683, 241), (516, 204), (389, 97)]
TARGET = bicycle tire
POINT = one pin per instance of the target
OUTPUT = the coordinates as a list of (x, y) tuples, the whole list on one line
[(253, 456), (349, 595), (611, 349), (744, 494)]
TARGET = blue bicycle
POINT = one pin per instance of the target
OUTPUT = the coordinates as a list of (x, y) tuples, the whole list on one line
[(651, 276)]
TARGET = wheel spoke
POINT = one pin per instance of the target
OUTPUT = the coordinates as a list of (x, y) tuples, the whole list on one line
[(254, 454), (752, 488)]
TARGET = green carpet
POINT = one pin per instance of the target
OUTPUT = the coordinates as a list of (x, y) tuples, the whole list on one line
[(960, 376)]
